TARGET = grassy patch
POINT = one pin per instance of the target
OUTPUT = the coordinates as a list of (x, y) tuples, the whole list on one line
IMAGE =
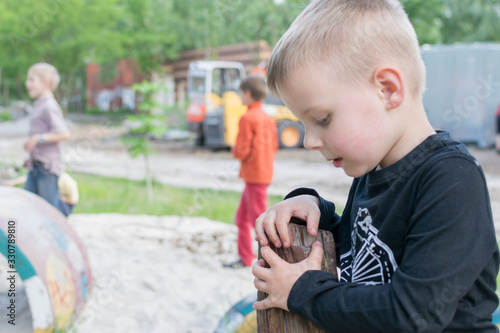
[(117, 195), (5, 116)]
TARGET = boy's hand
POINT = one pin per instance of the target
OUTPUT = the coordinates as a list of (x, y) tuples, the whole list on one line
[(31, 142), (278, 280), (274, 222)]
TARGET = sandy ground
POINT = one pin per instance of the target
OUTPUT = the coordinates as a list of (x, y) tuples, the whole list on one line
[(164, 274), (158, 274)]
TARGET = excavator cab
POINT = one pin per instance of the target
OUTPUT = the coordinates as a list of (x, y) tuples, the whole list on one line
[(215, 105), (216, 108)]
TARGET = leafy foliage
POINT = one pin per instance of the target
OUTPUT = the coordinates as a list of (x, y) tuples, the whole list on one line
[(478, 20), (71, 33), (150, 121), (450, 21)]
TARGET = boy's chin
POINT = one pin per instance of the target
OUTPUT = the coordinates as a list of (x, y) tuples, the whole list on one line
[(352, 174), (355, 173)]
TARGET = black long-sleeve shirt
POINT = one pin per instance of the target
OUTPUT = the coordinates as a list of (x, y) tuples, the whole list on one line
[(416, 248)]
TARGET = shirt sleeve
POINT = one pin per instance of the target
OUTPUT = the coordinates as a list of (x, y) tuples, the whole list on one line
[(243, 145), (56, 119), (329, 220), (450, 241)]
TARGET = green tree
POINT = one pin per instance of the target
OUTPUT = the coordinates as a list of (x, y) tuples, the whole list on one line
[(210, 23), (150, 34), (470, 21), (426, 19), (64, 33), (451, 21), (71, 33), (150, 121)]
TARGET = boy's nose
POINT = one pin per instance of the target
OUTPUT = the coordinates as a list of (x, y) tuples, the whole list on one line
[(312, 141)]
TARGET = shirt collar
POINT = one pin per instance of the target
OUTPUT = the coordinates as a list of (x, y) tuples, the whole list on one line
[(255, 105), (42, 100)]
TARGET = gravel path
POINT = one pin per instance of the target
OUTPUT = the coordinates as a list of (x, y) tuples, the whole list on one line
[(96, 149)]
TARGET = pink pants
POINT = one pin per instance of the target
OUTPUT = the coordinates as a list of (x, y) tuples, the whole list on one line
[(253, 203)]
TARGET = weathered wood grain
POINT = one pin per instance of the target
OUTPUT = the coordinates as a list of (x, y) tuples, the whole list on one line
[(277, 320)]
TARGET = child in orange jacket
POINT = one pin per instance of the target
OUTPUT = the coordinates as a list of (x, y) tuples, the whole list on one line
[(255, 147)]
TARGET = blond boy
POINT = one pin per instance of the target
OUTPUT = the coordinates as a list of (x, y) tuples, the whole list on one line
[(47, 131), (416, 243)]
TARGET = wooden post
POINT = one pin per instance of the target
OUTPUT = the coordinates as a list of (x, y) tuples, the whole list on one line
[(276, 320)]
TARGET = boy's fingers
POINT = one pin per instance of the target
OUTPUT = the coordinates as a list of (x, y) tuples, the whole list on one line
[(313, 222), (269, 225), (263, 305), (260, 285), (282, 221), (270, 256), (260, 263), (259, 270), (259, 230), (316, 255)]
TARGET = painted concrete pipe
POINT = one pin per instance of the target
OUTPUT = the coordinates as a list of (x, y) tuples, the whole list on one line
[(45, 276)]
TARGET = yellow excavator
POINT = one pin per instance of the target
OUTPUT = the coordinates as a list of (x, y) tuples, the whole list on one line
[(215, 105)]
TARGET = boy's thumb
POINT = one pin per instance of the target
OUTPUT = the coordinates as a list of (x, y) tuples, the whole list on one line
[(316, 255)]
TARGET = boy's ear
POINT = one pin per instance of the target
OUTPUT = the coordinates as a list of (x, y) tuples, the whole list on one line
[(46, 83), (248, 94), (390, 86)]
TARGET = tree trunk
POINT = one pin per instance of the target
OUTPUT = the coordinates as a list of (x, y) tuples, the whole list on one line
[(19, 88), (69, 89), (5, 93), (149, 180), (277, 320)]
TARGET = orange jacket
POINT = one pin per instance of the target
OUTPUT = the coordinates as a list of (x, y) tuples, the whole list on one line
[(256, 145)]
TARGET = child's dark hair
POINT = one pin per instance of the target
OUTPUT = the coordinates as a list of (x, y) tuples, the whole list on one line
[(257, 86)]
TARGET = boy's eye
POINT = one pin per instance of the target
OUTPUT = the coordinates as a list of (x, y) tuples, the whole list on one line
[(324, 120)]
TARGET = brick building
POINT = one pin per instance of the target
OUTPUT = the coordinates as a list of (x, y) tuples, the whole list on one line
[(117, 93)]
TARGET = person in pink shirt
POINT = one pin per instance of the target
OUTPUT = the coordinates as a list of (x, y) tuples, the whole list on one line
[(47, 131)]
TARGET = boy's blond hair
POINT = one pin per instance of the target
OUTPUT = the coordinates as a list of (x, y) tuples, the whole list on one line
[(257, 86), (352, 37), (46, 72)]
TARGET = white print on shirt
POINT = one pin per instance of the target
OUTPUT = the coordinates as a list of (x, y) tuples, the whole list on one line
[(373, 260)]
